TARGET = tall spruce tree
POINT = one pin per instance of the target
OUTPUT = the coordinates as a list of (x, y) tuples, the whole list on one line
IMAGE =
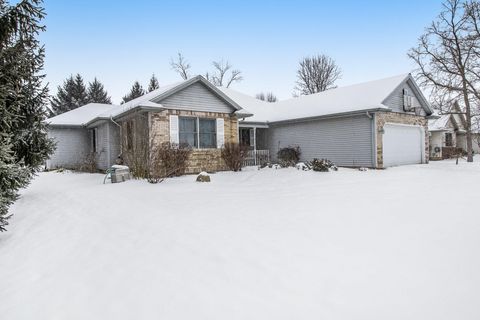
[(24, 144), (153, 84), (97, 93), (71, 95), (135, 92)]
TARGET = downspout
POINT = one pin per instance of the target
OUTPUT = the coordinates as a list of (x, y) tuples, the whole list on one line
[(121, 144), (374, 139)]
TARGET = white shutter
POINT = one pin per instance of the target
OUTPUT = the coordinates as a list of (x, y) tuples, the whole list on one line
[(174, 129), (220, 132), (252, 137)]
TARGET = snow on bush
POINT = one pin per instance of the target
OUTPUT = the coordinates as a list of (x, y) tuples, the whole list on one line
[(322, 165)]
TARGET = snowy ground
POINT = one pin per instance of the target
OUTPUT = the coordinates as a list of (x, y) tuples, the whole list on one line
[(402, 243)]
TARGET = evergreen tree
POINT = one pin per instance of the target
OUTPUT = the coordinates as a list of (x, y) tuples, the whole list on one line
[(135, 92), (71, 95), (24, 144), (97, 93), (153, 85), (80, 91), (64, 100)]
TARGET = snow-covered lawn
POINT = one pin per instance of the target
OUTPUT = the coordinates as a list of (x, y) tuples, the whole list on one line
[(402, 243)]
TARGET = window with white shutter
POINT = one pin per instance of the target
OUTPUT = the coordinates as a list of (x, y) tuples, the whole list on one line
[(220, 132), (174, 129)]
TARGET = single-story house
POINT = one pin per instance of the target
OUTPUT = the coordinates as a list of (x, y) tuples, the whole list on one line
[(448, 135), (374, 124)]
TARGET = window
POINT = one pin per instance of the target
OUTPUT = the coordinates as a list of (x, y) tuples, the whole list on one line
[(94, 140), (188, 131), (198, 132), (207, 133), (448, 139)]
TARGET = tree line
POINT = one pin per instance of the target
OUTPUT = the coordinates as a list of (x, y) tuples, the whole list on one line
[(315, 74)]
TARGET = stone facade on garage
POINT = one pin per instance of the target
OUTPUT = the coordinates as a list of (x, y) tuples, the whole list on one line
[(381, 118), (209, 160)]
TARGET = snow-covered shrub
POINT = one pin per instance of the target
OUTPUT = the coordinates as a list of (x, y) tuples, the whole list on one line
[(234, 155), (168, 160), (289, 156), (303, 166), (322, 165)]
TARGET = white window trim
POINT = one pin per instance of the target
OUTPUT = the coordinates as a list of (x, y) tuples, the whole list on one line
[(197, 147)]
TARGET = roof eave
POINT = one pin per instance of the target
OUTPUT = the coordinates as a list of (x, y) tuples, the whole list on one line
[(332, 115)]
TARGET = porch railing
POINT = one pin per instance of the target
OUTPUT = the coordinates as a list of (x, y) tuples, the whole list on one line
[(256, 157)]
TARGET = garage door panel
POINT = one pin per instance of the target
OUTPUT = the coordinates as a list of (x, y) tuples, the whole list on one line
[(402, 144)]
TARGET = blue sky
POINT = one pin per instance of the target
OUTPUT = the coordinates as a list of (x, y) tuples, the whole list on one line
[(123, 41)]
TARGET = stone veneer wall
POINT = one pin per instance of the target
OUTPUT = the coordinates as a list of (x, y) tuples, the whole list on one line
[(402, 118), (209, 160)]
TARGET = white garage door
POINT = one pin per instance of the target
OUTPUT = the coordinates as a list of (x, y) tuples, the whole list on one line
[(402, 144)]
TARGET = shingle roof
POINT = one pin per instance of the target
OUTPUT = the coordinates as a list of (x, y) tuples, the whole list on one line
[(82, 115), (439, 124), (363, 96)]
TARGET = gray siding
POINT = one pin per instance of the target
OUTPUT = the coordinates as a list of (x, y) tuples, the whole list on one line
[(197, 98), (73, 145), (345, 141), (114, 143), (395, 100), (108, 144)]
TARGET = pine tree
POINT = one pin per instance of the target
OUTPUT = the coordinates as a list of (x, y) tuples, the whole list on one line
[(24, 144), (153, 85), (64, 100), (71, 95), (97, 93), (80, 91), (135, 92)]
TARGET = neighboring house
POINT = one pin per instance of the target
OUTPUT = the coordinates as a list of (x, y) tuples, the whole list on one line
[(375, 124), (448, 134)]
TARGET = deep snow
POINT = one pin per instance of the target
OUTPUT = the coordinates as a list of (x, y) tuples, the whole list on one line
[(402, 243)]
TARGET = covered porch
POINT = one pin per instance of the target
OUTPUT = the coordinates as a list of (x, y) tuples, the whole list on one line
[(255, 136)]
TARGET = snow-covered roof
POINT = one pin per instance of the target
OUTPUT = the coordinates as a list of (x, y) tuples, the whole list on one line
[(358, 97), (439, 124), (82, 115), (95, 111), (355, 98)]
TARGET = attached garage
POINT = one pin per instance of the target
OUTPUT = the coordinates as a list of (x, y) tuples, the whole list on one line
[(403, 144)]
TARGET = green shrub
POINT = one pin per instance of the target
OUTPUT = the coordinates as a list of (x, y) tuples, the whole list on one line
[(322, 165)]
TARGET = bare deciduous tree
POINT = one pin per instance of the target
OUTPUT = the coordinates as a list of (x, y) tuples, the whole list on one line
[(268, 97), (447, 57), (181, 66), (317, 74), (223, 75)]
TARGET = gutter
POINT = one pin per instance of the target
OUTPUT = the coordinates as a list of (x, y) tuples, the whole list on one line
[(333, 115)]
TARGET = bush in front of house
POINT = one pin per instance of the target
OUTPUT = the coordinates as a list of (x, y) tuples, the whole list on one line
[(288, 156), (322, 165), (168, 160), (234, 155)]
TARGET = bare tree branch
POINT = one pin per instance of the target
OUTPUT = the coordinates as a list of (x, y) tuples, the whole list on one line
[(317, 74), (448, 61), (181, 66)]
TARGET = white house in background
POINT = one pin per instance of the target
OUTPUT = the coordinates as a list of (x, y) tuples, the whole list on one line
[(448, 134), (375, 124)]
